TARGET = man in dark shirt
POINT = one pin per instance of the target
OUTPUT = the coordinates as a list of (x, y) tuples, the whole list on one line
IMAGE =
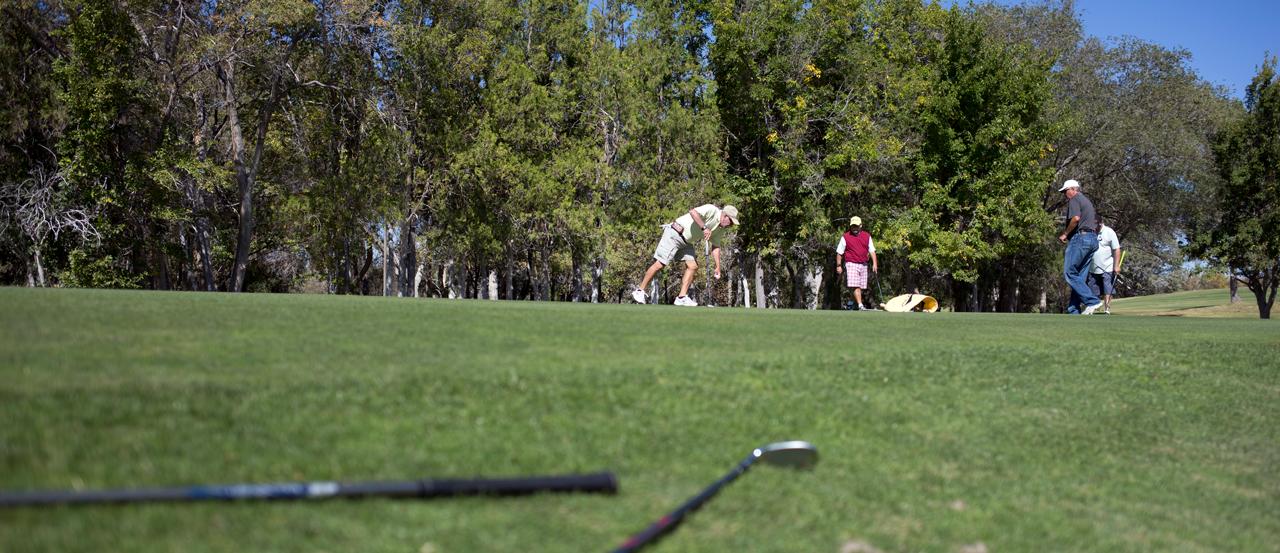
[(1081, 238)]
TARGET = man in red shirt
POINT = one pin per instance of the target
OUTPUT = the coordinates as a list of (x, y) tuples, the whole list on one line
[(852, 253)]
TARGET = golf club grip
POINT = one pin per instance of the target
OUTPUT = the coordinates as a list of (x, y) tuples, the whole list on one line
[(602, 482)]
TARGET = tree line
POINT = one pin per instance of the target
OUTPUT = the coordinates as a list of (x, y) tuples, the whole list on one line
[(530, 149)]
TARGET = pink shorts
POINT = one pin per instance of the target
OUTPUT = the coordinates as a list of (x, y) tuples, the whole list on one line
[(855, 274)]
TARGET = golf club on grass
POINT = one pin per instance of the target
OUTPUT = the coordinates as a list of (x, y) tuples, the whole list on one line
[(794, 454), (879, 294), (603, 482)]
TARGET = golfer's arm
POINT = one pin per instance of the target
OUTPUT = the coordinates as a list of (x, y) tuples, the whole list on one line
[(715, 254), (697, 219), (1115, 264), (875, 263), (1071, 225)]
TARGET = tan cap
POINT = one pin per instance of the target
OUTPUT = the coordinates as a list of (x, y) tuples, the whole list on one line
[(855, 220), (732, 212)]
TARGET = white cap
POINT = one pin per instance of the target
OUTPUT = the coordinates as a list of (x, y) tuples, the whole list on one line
[(1069, 184), (732, 212)]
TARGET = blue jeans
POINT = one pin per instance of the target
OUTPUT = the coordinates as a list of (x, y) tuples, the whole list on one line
[(1075, 268)]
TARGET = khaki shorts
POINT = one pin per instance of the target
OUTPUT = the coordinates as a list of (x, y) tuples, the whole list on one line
[(671, 246)]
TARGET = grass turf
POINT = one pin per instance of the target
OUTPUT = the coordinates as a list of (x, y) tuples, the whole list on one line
[(936, 432), (1197, 303)]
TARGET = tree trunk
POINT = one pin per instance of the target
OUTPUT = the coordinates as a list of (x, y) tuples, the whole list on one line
[(1008, 291), (386, 261), (162, 261), (961, 293), (575, 287), (813, 284), (1234, 284), (759, 282), (362, 278), (1263, 284), (245, 173), (455, 278), (204, 248), (534, 290), (597, 277), (39, 267), (797, 289), (508, 287), (187, 276), (408, 260)]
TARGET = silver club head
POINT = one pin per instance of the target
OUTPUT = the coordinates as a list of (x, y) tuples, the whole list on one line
[(794, 454)]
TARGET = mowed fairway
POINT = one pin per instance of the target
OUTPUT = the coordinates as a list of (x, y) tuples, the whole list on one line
[(936, 432)]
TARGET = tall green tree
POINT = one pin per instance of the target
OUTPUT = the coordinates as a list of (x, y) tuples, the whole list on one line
[(31, 123), (659, 148), (1136, 127), (1245, 234), (107, 146), (441, 61), (978, 177)]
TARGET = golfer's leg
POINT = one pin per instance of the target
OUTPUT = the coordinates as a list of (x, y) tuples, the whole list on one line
[(1075, 265), (690, 268), (857, 296), (648, 274), (1095, 283)]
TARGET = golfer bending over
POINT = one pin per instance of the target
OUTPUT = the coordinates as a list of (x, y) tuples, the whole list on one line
[(707, 221)]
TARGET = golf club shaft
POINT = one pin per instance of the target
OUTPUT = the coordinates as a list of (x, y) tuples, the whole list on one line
[(673, 519), (602, 482)]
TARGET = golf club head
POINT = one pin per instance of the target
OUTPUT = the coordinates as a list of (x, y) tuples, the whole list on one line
[(794, 454)]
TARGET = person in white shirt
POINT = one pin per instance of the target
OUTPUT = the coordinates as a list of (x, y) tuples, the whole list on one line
[(1102, 276), (707, 221), (853, 253)]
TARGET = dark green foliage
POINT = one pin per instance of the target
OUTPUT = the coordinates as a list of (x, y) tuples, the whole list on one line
[(1245, 233), (106, 150), (978, 174), (531, 150)]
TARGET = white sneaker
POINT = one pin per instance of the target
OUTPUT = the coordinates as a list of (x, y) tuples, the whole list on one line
[(1089, 310), (686, 301), (640, 296)]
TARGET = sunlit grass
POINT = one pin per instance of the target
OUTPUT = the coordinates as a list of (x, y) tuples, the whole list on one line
[(936, 432)]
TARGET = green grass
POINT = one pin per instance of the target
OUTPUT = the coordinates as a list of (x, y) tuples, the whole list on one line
[(1020, 432), (1197, 303)]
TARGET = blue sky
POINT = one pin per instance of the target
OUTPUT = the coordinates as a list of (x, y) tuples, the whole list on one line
[(1227, 38)]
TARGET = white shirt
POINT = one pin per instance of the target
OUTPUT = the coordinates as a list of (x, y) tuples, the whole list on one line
[(871, 246), (1104, 259), (710, 217)]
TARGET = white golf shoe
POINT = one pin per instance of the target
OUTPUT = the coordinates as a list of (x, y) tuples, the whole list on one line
[(640, 296), (686, 301), (1089, 310)]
